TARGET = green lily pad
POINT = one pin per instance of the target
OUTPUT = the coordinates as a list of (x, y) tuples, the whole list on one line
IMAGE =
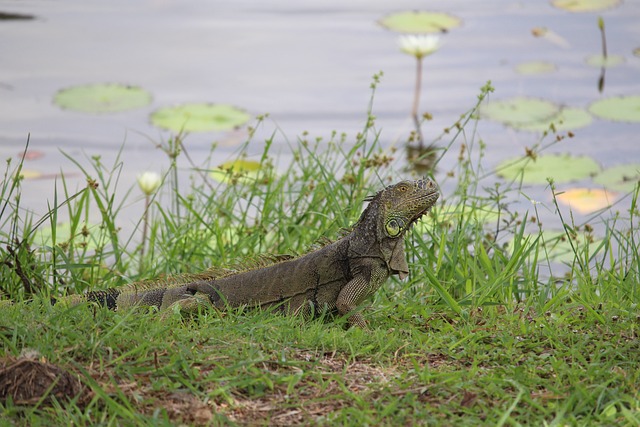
[(420, 22), (600, 61), (237, 171), (585, 5), (483, 214), (44, 235), (636, 52), (617, 108), (621, 178), (560, 167), (102, 98), (535, 67), (587, 200), (557, 245), (199, 117), (520, 111), (567, 119), (456, 213)]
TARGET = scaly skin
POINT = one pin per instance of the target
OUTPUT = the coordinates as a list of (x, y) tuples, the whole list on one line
[(335, 278)]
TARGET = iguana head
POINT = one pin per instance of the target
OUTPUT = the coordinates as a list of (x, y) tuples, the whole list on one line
[(391, 212), (402, 204), (394, 209)]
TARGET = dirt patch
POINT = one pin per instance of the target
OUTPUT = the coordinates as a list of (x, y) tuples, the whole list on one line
[(344, 382), (327, 383), (29, 381)]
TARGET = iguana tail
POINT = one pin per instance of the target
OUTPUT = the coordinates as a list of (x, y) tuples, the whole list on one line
[(106, 298)]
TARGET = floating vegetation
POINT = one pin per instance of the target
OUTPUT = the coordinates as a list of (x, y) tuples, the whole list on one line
[(569, 118), (421, 159), (532, 114), (550, 36), (585, 5), (420, 22), (520, 111), (586, 200), (621, 178), (32, 155), (102, 98), (608, 61), (483, 214), (200, 117), (560, 248), (10, 16), (85, 235), (535, 67), (30, 174), (636, 52), (617, 108), (243, 171), (561, 167)]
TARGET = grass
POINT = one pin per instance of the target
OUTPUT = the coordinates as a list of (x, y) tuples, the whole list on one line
[(476, 336)]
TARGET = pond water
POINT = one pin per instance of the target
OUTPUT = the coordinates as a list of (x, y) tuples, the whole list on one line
[(308, 64)]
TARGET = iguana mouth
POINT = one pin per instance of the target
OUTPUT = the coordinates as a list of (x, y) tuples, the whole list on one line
[(430, 200)]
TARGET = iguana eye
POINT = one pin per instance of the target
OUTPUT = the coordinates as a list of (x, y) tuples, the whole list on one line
[(394, 227)]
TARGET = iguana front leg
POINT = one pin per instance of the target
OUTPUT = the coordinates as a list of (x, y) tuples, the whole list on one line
[(363, 285)]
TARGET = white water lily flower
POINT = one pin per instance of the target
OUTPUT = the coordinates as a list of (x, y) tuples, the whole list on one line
[(419, 45), (149, 182)]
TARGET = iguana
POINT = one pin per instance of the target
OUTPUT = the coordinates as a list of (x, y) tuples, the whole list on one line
[(335, 278)]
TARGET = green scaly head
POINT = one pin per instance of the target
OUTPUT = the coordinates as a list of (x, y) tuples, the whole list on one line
[(398, 206), (405, 203), (391, 212)]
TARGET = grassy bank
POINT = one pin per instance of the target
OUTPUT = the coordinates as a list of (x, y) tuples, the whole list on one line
[(476, 336)]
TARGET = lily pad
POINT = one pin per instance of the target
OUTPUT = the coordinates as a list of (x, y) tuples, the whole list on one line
[(557, 245), (102, 98), (199, 117), (586, 200), (621, 178), (585, 5), (600, 61), (30, 174), (617, 108), (636, 52), (520, 111), (567, 119), (420, 22), (237, 171), (457, 213), (550, 36), (560, 167), (535, 67), (32, 155), (44, 235), (483, 214)]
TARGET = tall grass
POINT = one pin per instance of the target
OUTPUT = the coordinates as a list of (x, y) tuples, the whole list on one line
[(457, 253)]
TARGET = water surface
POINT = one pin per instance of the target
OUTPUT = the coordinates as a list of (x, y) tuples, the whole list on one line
[(308, 65)]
